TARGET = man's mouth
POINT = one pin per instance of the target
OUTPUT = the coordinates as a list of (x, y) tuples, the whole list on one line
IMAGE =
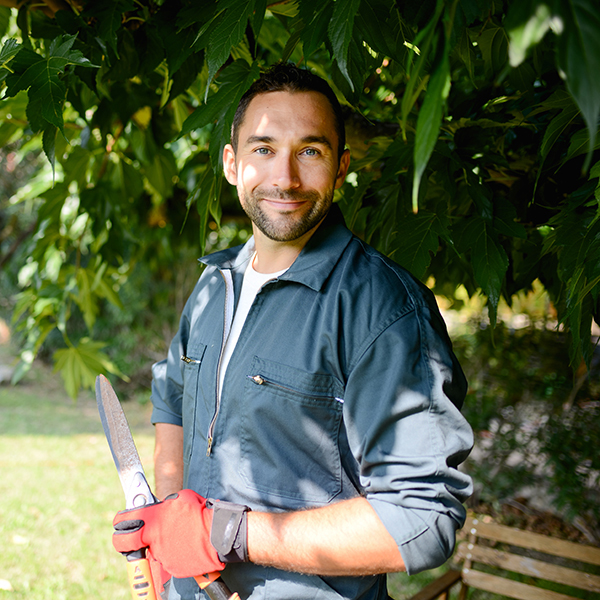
[(284, 205)]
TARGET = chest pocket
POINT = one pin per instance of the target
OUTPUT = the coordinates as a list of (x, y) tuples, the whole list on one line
[(191, 362), (290, 431)]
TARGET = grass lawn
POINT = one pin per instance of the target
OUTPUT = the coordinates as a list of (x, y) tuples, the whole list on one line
[(59, 491)]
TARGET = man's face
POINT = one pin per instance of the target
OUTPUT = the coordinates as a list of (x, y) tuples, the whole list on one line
[(286, 167)]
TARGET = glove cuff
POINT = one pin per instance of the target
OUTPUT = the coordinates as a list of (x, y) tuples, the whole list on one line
[(229, 530)]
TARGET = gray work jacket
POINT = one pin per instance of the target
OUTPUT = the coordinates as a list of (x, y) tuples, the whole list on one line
[(342, 383)]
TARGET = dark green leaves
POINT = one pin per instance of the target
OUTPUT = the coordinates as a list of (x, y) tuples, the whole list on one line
[(9, 50), (429, 122), (340, 30), (228, 32), (488, 259), (316, 16), (233, 82), (41, 76), (576, 24), (579, 59), (418, 240), (491, 150)]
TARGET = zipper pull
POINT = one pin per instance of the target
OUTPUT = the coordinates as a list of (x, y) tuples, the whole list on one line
[(187, 360), (257, 379), (209, 449)]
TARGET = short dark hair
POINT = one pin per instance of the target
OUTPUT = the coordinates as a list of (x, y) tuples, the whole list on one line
[(287, 77)]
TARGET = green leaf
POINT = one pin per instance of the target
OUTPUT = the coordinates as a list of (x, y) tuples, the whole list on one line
[(488, 258), (4, 20), (505, 221), (580, 143), (161, 171), (228, 33), (375, 18), (41, 76), (108, 17), (417, 77), (49, 145), (527, 24), (260, 9), (316, 16), (85, 298), (80, 365), (284, 9), (341, 28), (9, 50), (351, 198), (233, 82), (429, 122), (418, 241), (556, 128), (466, 52), (75, 167), (357, 67), (204, 197), (494, 48), (579, 58)]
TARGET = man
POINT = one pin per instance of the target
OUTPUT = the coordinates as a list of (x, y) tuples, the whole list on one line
[(309, 372)]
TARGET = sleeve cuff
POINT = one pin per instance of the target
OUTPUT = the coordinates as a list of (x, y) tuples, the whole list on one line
[(423, 544), (160, 415)]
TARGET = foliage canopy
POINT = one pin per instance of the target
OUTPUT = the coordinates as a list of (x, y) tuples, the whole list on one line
[(472, 127)]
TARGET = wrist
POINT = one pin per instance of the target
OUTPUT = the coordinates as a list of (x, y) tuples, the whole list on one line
[(229, 531)]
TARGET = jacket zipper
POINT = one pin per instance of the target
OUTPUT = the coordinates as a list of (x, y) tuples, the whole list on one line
[(260, 380), (227, 321)]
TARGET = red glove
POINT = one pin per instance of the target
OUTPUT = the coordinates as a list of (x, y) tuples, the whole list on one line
[(177, 532)]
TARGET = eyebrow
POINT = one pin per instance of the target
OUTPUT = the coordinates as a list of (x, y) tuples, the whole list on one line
[(309, 139)]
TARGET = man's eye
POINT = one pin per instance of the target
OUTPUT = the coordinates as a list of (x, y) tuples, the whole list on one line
[(311, 152), (263, 151)]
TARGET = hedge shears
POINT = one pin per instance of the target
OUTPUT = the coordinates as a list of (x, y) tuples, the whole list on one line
[(138, 494)]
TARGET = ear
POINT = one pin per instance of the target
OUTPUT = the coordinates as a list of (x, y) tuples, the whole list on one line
[(343, 169), (229, 166)]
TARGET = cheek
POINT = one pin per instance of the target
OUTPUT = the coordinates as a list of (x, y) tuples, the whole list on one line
[(248, 175)]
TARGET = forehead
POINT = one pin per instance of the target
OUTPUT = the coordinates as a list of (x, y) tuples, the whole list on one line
[(288, 115)]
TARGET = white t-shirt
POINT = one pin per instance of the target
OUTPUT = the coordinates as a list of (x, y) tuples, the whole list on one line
[(253, 282)]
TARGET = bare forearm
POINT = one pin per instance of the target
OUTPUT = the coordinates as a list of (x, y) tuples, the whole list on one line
[(168, 459), (346, 538)]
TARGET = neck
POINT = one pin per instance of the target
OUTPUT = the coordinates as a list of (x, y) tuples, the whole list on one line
[(272, 256)]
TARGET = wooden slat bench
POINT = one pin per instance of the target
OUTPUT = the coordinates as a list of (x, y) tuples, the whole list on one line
[(492, 554)]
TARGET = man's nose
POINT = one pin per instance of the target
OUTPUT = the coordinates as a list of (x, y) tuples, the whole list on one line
[(284, 173)]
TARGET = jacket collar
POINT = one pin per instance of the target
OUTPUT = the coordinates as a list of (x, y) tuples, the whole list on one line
[(314, 263)]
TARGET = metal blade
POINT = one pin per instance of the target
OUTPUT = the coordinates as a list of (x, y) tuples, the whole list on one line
[(126, 457)]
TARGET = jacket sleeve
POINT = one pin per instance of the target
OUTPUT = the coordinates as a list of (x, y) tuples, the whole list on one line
[(402, 413), (167, 376)]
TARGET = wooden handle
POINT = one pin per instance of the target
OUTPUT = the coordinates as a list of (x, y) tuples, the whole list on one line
[(140, 579), (215, 587)]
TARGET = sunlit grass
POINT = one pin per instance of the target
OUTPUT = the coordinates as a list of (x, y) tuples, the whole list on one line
[(58, 494)]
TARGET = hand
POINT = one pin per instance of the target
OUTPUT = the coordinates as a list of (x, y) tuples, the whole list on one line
[(177, 532)]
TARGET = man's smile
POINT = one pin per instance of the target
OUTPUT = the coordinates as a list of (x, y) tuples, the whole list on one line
[(284, 205)]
